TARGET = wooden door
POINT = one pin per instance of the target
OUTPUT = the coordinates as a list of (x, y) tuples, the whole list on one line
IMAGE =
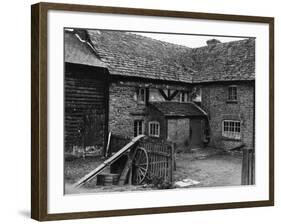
[(196, 136)]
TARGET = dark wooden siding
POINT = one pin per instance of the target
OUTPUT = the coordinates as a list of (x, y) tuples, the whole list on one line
[(85, 94)]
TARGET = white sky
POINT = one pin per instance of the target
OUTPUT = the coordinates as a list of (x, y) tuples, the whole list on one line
[(191, 41)]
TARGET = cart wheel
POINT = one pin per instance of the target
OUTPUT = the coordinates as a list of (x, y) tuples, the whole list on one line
[(140, 165)]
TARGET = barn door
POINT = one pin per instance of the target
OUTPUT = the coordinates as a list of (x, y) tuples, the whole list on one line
[(196, 133)]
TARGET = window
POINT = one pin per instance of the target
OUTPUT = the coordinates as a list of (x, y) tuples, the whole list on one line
[(197, 94), (231, 129), (154, 129), (155, 96), (232, 93), (138, 127), (141, 95), (184, 97)]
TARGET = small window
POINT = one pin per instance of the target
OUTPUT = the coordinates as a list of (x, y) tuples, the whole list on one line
[(184, 97), (141, 95), (232, 93), (231, 129), (138, 127), (154, 129)]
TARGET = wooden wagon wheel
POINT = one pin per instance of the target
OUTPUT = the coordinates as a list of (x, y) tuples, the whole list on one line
[(140, 165)]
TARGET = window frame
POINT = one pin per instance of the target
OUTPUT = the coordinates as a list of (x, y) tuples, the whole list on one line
[(139, 93), (137, 128), (230, 96), (186, 99), (234, 133), (157, 124)]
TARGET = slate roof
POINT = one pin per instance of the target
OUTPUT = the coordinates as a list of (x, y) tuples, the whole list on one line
[(132, 55), (78, 52), (178, 109)]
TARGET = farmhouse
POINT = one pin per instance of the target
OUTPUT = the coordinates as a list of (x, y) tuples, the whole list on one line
[(128, 84)]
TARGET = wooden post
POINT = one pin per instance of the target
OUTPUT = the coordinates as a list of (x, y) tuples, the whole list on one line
[(108, 145), (124, 173), (253, 167), (245, 167), (250, 156), (84, 146), (172, 163), (127, 171)]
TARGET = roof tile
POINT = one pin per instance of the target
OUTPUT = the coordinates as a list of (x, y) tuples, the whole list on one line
[(133, 55), (178, 109)]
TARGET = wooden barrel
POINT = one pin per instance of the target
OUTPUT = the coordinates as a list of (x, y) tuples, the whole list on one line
[(107, 179)]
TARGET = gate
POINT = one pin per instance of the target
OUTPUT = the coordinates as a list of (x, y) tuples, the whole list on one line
[(161, 159)]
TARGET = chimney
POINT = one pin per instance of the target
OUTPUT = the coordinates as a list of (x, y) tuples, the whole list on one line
[(212, 42)]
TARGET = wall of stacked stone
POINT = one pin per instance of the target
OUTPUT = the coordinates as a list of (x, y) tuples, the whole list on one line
[(121, 104), (123, 109), (214, 102)]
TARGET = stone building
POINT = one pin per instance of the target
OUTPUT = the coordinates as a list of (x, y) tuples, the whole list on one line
[(191, 97)]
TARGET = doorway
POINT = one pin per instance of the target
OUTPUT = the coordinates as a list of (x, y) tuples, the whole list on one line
[(196, 133)]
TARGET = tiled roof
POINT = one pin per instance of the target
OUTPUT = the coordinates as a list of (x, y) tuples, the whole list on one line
[(178, 109), (132, 55), (225, 61), (129, 54), (76, 51)]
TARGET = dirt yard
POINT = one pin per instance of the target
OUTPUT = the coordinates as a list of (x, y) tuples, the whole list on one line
[(75, 169), (221, 169), (208, 166)]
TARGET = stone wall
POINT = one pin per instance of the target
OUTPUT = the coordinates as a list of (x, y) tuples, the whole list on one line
[(124, 109), (214, 102), (122, 102)]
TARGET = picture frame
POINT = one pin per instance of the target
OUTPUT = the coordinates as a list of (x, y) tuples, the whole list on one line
[(41, 157)]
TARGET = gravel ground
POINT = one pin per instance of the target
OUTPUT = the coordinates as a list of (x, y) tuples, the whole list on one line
[(208, 166)]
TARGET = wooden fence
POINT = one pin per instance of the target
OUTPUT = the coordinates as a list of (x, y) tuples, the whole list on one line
[(161, 159), (160, 155), (248, 167)]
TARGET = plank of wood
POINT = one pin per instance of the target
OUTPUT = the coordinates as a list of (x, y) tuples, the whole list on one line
[(127, 171), (107, 162), (124, 173), (173, 163)]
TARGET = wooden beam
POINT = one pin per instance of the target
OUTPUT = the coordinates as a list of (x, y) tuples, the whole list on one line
[(158, 85), (161, 91), (107, 162), (173, 95)]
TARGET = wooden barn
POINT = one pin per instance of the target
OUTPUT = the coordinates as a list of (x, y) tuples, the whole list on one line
[(86, 96)]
